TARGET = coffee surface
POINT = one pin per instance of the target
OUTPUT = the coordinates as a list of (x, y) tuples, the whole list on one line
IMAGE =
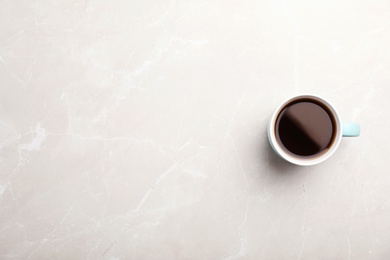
[(305, 128)]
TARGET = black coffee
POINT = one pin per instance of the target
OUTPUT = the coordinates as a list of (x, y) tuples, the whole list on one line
[(305, 128)]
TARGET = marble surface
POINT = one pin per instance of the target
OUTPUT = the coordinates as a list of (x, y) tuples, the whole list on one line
[(137, 129)]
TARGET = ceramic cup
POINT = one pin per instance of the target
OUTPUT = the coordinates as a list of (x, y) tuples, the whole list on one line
[(339, 130)]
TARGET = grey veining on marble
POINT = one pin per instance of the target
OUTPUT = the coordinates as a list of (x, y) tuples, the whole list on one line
[(137, 129)]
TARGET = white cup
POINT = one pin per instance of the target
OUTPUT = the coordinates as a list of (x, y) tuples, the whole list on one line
[(340, 130)]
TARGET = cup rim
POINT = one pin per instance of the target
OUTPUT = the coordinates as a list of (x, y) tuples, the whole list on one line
[(298, 160)]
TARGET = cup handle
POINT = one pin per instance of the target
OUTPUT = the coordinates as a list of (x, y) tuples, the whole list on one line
[(351, 129)]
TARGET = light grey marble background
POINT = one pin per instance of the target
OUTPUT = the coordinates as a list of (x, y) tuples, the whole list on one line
[(137, 129)]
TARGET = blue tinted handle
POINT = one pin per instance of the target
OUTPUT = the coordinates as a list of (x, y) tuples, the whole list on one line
[(351, 129)]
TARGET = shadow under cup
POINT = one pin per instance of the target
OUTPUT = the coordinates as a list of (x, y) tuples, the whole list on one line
[(305, 130)]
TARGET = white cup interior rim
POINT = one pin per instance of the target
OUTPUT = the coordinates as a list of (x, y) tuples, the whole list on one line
[(299, 160)]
